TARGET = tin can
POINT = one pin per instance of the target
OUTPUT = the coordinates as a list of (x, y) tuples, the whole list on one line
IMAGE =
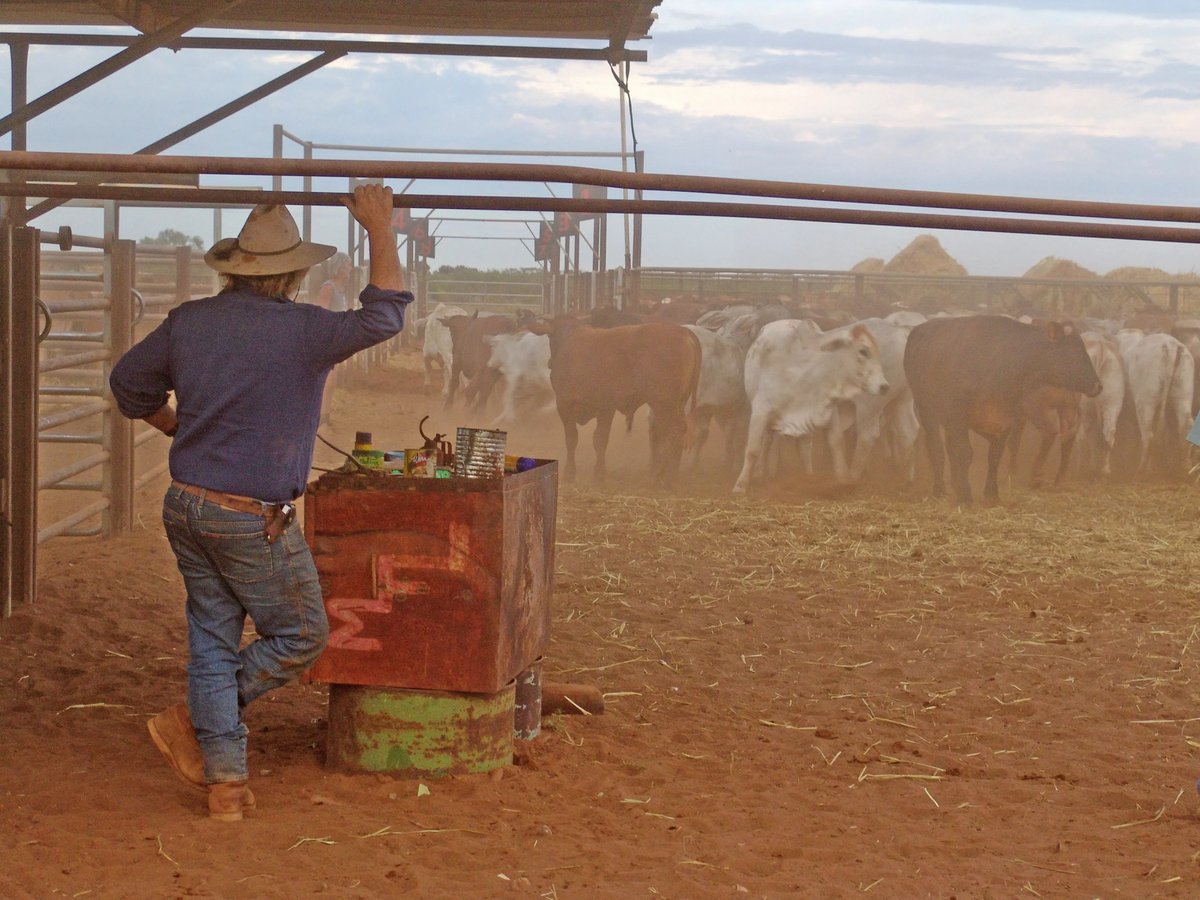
[(420, 463), (479, 453)]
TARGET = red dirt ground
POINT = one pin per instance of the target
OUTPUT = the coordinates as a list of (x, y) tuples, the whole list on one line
[(807, 697)]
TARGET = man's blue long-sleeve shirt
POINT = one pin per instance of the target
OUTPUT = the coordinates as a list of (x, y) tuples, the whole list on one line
[(248, 373)]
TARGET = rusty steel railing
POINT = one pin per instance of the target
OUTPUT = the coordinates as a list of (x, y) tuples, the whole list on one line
[(640, 182)]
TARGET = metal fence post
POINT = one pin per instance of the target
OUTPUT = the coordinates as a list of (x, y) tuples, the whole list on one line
[(118, 431), (23, 333), (183, 273), (6, 442)]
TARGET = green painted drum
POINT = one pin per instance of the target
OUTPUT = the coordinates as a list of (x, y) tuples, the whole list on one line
[(426, 733)]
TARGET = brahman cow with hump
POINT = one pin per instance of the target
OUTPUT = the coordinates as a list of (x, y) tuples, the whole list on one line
[(796, 376), (970, 374), (888, 415), (598, 372)]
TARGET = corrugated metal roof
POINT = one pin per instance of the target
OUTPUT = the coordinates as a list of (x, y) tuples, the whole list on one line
[(612, 21)]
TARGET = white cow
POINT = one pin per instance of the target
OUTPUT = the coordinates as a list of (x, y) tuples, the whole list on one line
[(721, 392), (715, 319), (524, 361), (872, 415), (796, 376), (906, 317), (1100, 413), (437, 346), (1159, 375)]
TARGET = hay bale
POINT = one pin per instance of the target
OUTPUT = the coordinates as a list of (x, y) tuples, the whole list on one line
[(872, 265), (1059, 300), (926, 256), (1053, 267)]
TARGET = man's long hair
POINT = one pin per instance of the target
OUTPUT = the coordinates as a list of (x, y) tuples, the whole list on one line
[(283, 286)]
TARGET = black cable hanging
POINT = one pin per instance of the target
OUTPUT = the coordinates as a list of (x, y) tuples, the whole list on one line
[(623, 84)]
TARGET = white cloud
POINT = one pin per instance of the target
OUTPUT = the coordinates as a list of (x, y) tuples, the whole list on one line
[(1119, 39)]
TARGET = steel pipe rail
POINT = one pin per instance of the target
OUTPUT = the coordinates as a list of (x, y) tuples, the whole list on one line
[(74, 414), (62, 306), (148, 477), (58, 475), (1062, 228), (645, 181), (79, 486), (95, 438), (53, 277), (57, 237), (69, 391), (74, 337), (64, 525), (147, 436), (75, 359)]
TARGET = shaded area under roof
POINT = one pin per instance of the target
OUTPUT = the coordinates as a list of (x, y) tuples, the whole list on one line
[(613, 21)]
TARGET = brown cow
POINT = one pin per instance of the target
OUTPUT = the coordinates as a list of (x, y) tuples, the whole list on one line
[(969, 374), (1055, 413), (471, 355), (598, 372)]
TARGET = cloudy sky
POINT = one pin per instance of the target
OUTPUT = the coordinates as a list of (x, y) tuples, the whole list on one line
[(1080, 99)]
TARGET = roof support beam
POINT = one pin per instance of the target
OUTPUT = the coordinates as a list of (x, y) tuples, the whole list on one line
[(139, 48), (141, 14), (317, 46), (224, 112), (620, 34)]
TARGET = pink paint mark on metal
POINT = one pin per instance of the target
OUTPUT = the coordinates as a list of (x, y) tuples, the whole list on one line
[(345, 610), (434, 584)]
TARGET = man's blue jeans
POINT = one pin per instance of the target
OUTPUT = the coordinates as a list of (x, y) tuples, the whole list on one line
[(230, 572)]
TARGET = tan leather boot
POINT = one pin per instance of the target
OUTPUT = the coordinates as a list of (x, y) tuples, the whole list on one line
[(172, 733), (227, 801)]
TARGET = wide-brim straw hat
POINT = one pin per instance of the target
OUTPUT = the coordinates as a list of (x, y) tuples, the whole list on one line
[(268, 244)]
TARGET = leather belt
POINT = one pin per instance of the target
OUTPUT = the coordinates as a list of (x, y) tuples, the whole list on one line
[(236, 502)]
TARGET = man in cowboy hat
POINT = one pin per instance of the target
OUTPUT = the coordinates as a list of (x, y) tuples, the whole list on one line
[(247, 368)]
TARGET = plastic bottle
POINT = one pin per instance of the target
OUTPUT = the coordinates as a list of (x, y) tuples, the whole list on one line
[(364, 451)]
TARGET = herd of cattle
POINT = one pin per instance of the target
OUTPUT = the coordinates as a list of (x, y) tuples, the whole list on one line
[(763, 373)]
